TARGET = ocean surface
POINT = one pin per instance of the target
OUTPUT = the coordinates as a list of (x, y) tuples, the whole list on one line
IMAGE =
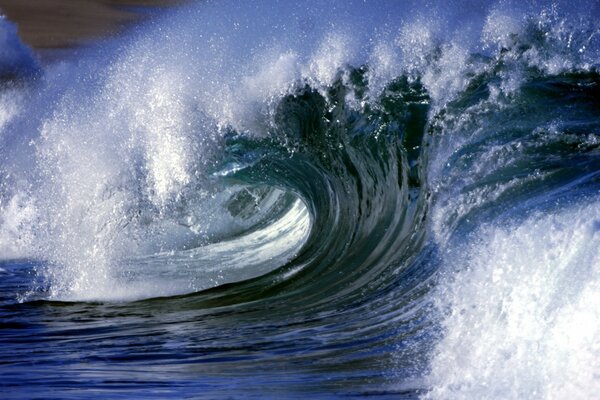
[(324, 199)]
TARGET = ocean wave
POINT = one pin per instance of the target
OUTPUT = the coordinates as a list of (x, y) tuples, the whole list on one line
[(403, 206)]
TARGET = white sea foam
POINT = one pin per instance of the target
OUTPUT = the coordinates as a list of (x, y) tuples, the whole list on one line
[(520, 305)]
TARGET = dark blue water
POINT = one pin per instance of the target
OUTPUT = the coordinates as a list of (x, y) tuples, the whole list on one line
[(327, 200)]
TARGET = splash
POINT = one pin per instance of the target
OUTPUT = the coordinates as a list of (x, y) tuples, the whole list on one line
[(521, 317)]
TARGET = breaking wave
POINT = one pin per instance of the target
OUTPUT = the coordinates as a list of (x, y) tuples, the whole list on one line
[(349, 199)]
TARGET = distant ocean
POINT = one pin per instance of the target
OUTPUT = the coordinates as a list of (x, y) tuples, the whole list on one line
[(309, 199)]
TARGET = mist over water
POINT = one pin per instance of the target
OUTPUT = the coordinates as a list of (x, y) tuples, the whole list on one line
[(264, 199)]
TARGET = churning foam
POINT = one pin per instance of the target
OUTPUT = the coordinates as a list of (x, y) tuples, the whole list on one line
[(520, 305)]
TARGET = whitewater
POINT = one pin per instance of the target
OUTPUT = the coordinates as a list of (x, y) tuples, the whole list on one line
[(326, 199)]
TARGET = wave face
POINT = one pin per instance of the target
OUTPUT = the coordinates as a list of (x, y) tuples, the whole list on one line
[(321, 199)]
